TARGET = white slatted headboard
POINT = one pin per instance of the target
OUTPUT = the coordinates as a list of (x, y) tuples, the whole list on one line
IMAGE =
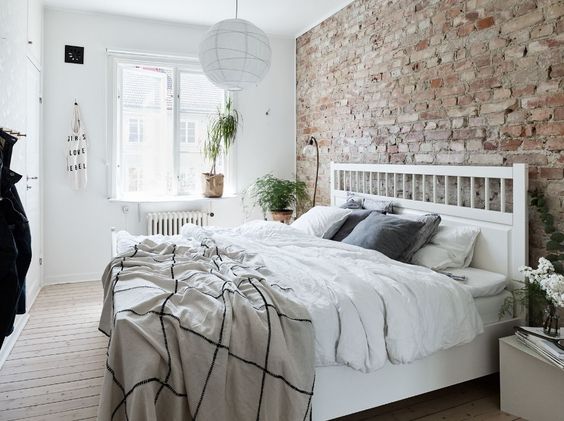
[(493, 198)]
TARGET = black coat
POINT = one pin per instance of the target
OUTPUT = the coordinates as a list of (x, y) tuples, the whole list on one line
[(15, 242)]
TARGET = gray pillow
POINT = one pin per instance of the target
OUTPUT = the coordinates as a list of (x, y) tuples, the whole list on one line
[(431, 222), (355, 217), (387, 234)]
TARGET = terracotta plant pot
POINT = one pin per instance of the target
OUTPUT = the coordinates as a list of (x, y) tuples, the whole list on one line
[(283, 216), (212, 185)]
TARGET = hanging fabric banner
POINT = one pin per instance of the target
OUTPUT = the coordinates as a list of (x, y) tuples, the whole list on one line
[(77, 152)]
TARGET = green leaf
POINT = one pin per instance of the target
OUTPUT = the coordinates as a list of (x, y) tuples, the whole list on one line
[(541, 202), (549, 228), (548, 219), (557, 236), (535, 201), (553, 257), (552, 245)]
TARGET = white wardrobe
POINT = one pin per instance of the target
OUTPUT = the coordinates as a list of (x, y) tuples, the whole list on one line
[(21, 37)]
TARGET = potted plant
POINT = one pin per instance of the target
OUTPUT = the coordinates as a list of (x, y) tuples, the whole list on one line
[(222, 131), (277, 196)]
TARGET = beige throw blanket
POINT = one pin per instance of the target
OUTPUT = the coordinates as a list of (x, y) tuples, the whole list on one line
[(197, 332)]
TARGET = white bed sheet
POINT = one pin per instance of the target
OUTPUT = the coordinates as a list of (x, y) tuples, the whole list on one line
[(481, 283), (488, 307)]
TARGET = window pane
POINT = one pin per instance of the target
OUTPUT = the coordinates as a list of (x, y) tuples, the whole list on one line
[(146, 146), (199, 99)]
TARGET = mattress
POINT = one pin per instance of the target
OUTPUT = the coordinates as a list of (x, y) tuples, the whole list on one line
[(488, 307), (481, 283)]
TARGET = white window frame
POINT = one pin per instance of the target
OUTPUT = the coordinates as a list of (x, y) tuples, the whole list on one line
[(140, 129), (183, 64), (186, 123)]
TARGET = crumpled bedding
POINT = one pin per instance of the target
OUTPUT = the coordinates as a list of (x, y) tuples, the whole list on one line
[(366, 308), (197, 331)]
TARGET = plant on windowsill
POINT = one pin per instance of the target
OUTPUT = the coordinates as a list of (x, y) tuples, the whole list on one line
[(222, 131), (277, 196), (539, 295)]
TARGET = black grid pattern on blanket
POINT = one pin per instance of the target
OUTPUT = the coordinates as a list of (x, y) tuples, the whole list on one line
[(216, 345)]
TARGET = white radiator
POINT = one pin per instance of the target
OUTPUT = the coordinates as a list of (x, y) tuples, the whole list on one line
[(169, 223)]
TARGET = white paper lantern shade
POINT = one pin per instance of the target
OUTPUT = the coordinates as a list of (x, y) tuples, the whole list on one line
[(235, 54)]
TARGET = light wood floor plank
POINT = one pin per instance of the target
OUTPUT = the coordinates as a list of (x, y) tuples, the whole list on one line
[(68, 342), (28, 397), (55, 379), (88, 413), (67, 339), (50, 408)]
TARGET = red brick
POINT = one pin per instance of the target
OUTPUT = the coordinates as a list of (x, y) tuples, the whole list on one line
[(552, 173), (510, 145), (485, 23), (520, 91), (532, 144), (472, 16), (559, 113), (542, 114), (555, 144), (513, 131), (436, 83), (421, 45), (465, 30), (550, 129), (544, 101), (490, 146)]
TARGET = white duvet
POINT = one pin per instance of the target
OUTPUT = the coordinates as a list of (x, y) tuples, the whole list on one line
[(365, 307)]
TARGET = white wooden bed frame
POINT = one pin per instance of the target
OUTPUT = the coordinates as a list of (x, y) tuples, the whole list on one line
[(502, 247)]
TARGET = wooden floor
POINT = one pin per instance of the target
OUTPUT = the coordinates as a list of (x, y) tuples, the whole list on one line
[(55, 370)]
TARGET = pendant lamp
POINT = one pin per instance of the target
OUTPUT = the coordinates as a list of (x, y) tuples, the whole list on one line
[(235, 54)]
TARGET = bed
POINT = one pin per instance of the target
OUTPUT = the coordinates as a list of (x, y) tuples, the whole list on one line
[(354, 381)]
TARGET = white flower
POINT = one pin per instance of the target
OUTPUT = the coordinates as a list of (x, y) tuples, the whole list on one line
[(550, 282)]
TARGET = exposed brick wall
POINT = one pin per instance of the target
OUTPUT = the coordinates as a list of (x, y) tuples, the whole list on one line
[(477, 82)]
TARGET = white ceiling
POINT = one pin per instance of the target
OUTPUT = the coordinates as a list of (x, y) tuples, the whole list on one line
[(280, 17)]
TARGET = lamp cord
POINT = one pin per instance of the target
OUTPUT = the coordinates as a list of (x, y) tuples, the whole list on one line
[(313, 141)]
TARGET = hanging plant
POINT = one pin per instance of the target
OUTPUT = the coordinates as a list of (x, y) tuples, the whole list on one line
[(555, 242)]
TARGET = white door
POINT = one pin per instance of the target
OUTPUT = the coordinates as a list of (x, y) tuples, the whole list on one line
[(32, 180)]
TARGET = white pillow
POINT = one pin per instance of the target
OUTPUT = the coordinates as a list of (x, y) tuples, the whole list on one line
[(451, 247), (322, 221)]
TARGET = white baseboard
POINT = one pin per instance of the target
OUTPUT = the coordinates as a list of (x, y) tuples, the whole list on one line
[(10, 341), (72, 278), (19, 324)]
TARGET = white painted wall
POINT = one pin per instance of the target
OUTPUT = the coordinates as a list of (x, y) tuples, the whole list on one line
[(77, 228)]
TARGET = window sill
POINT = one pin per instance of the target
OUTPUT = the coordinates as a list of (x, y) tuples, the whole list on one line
[(171, 199)]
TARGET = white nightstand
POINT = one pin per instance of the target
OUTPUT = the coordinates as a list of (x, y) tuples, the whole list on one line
[(531, 387)]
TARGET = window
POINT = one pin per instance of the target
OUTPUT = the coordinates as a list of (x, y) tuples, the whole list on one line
[(134, 179), (135, 130), (160, 116), (187, 132)]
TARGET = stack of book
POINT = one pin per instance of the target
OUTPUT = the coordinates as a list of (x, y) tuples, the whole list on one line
[(548, 347)]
